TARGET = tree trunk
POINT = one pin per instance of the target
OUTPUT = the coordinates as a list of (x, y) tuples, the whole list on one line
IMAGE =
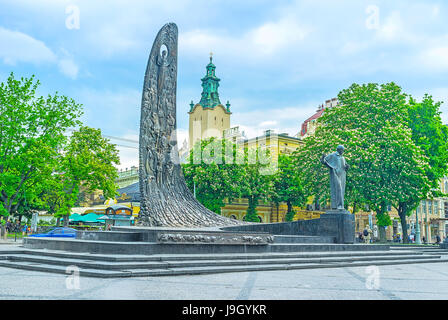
[(382, 222), (402, 212), (289, 214), (317, 204), (58, 221), (354, 208), (382, 233), (251, 213), (66, 220)]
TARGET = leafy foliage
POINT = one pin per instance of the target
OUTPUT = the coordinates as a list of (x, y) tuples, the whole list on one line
[(88, 161), (287, 185), (31, 133), (386, 165)]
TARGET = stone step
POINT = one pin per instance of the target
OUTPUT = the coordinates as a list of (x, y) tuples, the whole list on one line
[(201, 263), (413, 247), (184, 257), (303, 239), (204, 270)]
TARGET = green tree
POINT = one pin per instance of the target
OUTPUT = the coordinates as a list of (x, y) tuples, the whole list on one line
[(212, 172), (31, 133), (371, 122), (217, 170), (287, 186), (256, 183), (87, 160), (431, 135)]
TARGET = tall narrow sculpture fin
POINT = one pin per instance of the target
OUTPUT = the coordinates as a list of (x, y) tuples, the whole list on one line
[(165, 197)]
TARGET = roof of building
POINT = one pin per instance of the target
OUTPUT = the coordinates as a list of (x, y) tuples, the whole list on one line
[(315, 116), (118, 207), (132, 191)]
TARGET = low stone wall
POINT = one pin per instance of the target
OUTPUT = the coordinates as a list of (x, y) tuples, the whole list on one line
[(142, 248), (303, 227), (335, 224)]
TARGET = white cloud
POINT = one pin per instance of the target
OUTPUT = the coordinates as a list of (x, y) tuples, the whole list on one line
[(436, 58), (69, 68), (262, 42), (282, 120), (268, 123), (274, 36), (19, 47), (392, 29)]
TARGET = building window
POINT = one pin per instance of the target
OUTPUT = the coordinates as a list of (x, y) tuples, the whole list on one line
[(446, 210)]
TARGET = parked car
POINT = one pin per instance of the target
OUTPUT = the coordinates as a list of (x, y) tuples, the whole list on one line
[(57, 233)]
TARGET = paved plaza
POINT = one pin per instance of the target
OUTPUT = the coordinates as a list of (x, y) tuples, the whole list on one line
[(397, 282)]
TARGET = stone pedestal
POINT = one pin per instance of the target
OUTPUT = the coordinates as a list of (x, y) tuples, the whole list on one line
[(444, 244), (339, 224)]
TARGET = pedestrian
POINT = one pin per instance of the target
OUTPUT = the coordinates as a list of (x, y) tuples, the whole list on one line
[(369, 234), (3, 228), (361, 238), (437, 239), (424, 240), (365, 234)]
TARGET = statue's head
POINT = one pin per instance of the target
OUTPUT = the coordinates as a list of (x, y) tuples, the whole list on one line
[(340, 149)]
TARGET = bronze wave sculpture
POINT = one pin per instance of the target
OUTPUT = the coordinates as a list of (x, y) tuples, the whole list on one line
[(165, 197)]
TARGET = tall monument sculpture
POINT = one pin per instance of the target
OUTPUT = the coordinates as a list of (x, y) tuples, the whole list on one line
[(338, 172), (165, 197)]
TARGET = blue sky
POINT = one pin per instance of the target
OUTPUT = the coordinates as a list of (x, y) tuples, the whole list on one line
[(277, 60)]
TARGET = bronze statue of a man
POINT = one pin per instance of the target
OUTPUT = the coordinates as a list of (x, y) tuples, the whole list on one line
[(338, 172)]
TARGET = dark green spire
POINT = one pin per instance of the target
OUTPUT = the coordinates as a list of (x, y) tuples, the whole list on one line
[(210, 84)]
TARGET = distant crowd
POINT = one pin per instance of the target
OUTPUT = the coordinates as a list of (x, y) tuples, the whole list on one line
[(14, 227), (369, 236)]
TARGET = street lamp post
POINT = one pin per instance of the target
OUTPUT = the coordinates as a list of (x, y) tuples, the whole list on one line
[(426, 228), (417, 228)]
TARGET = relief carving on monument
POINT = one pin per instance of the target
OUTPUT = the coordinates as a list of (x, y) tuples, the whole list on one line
[(165, 197)]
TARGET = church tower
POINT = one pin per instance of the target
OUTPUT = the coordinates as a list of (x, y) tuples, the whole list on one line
[(208, 118)]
